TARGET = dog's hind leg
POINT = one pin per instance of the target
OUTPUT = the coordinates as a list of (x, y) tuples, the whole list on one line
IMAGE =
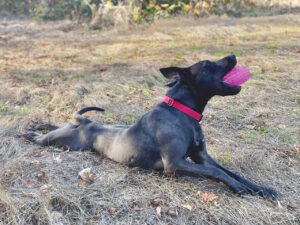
[(31, 136), (43, 127)]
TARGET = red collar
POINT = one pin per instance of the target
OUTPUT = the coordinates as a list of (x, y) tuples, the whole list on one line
[(182, 108)]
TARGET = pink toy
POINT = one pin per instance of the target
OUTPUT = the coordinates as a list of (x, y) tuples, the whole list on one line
[(237, 76)]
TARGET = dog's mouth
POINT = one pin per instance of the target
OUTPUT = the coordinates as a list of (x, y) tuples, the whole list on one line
[(236, 76), (227, 84), (230, 89), (233, 89), (232, 80)]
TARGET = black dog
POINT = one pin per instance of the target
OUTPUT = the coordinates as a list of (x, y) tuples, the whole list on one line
[(166, 136)]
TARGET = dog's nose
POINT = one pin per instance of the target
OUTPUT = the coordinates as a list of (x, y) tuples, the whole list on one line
[(231, 60), (232, 57), (228, 61)]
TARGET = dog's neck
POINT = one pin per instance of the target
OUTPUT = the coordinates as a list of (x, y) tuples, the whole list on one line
[(184, 95)]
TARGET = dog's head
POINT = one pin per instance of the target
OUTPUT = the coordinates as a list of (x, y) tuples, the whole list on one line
[(205, 77)]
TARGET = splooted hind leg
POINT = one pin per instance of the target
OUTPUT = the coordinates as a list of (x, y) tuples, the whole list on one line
[(31, 136), (69, 136), (43, 127), (62, 136)]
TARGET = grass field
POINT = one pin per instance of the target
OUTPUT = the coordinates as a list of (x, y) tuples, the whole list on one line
[(48, 71)]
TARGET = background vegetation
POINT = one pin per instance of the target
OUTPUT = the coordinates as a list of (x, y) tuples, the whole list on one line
[(133, 11), (50, 70)]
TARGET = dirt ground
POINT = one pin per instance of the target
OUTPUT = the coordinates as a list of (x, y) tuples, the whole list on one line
[(48, 71)]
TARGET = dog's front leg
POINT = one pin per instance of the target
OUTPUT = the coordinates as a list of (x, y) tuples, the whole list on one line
[(260, 190), (182, 166), (201, 156)]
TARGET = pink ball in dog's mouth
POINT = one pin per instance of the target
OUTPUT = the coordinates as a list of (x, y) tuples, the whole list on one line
[(237, 76)]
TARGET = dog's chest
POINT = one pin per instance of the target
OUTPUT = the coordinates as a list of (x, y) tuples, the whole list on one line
[(197, 142), (198, 136)]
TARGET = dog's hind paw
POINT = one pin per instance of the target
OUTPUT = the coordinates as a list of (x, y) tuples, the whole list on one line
[(28, 136)]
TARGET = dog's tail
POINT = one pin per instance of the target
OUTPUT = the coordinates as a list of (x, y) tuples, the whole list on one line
[(78, 116)]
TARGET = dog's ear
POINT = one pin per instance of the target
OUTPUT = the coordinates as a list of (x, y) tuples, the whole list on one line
[(171, 84), (175, 73)]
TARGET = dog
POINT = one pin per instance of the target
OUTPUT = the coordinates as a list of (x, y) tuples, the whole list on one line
[(165, 137)]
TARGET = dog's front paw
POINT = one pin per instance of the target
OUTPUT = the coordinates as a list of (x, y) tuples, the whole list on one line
[(268, 193)]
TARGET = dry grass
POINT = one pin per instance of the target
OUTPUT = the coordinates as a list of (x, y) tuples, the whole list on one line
[(49, 71)]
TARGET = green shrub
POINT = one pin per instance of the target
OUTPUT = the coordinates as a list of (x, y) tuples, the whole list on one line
[(61, 9)]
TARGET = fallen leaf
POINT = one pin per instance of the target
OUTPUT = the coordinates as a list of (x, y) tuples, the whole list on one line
[(250, 127), (41, 176), (172, 212), (293, 207), (58, 160), (158, 202), (56, 215), (224, 185), (208, 197), (279, 204), (217, 204), (137, 208), (272, 201), (96, 217), (187, 206), (29, 184), (102, 69), (212, 181), (281, 126), (83, 172), (46, 186), (86, 175), (81, 183), (28, 155), (35, 162), (286, 153), (30, 194), (42, 84), (37, 154), (23, 139), (112, 210), (66, 148), (134, 169), (44, 192), (298, 51), (158, 212)]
